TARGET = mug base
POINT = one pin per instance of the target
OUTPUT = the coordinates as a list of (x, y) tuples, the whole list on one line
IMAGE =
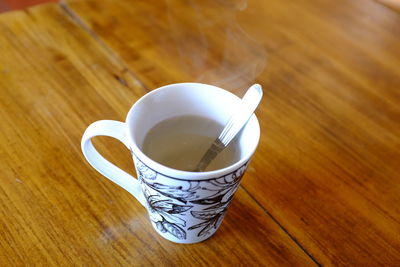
[(184, 241)]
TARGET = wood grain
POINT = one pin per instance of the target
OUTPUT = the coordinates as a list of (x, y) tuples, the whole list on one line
[(393, 4), (327, 168), (55, 210)]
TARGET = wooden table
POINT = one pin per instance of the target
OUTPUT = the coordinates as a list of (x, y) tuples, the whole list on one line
[(323, 187)]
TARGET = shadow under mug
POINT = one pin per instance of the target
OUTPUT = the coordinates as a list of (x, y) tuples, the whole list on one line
[(184, 207)]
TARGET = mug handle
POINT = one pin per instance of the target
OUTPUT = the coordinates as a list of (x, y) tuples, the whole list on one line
[(117, 130)]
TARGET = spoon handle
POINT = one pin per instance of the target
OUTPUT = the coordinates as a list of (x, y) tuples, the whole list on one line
[(215, 148), (242, 114), (236, 122)]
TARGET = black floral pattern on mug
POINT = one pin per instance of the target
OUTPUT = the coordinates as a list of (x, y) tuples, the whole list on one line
[(163, 212), (170, 205)]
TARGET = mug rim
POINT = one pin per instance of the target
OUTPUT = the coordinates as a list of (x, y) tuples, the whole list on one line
[(181, 174)]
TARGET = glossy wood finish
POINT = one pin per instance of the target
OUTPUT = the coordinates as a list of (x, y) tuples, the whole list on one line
[(323, 187), (55, 210), (327, 168), (393, 4)]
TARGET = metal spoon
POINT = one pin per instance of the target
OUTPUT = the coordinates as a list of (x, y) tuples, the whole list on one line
[(237, 121)]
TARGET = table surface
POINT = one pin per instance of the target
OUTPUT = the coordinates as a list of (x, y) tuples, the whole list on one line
[(323, 187)]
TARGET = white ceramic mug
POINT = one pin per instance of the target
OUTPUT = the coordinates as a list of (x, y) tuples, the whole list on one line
[(184, 207)]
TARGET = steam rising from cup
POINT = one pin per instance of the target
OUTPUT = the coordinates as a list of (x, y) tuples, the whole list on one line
[(210, 44)]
